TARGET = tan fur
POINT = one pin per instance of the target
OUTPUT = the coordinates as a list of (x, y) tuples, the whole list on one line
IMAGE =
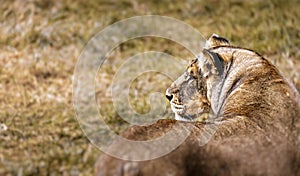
[(255, 110)]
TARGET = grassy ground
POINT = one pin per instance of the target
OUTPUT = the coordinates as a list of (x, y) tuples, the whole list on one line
[(40, 41)]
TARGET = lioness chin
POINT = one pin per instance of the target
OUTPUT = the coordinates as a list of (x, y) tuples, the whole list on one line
[(254, 107)]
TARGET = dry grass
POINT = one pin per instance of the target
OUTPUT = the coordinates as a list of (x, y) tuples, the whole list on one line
[(41, 40)]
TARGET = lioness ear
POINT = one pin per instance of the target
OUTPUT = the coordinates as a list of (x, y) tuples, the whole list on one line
[(215, 40), (214, 63)]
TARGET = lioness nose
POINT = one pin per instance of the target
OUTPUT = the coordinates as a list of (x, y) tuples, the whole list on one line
[(169, 96)]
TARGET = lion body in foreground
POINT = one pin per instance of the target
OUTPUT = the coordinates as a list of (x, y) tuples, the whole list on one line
[(257, 112)]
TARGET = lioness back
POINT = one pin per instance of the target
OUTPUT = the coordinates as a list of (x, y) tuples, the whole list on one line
[(253, 118)]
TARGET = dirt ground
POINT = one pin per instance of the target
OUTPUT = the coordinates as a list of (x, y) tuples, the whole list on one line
[(40, 41)]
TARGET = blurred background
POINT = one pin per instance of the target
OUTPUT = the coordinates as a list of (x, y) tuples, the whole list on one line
[(40, 41)]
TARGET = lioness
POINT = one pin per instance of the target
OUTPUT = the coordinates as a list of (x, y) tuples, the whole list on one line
[(255, 109)]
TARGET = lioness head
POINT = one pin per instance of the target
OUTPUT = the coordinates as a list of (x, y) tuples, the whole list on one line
[(189, 95)]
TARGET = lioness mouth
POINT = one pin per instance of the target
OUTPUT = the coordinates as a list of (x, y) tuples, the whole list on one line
[(177, 107)]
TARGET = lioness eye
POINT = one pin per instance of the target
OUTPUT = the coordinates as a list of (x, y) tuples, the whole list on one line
[(190, 71)]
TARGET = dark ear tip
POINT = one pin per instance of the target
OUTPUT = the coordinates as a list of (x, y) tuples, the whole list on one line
[(221, 39)]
